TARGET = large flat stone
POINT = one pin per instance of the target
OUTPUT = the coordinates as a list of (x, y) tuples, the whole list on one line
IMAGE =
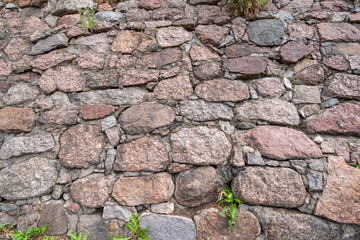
[(50, 43), (198, 186), (18, 146), (31, 178), (281, 143), (133, 191), (208, 70), (144, 154), (274, 111), (211, 34), (81, 146), (200, 146), (248, 66), (51, 59), (128, 41), (146, 117), (54, 217), (163, 227), (338, 32), (203, 111), (20, 93), (309, 71), (172, 36), (94, 225), (14, 119), (276, 187), (343, 85), (114, 97), (162, 58), (340, 119), (266, 32), (64, 7), (177, 88)]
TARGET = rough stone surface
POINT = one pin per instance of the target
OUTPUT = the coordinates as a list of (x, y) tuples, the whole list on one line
[(128, 41), (211, 225), (139, 77), (64, 78), (203, 111), (81, 146), (222, 90), (269, 87), (20, 93), (204, 146), (281, 143), (14, 119), (177, 88), (280, 223), (150, 4), (54, 217), (108, 122), (340, 119), (133, 191), (90, 111), (144, 154), (114, 97), (200, 53), (211, 34), (198, 186), (114, 211), (91, 191), (162, 58), (64, 7), (266, 32), (248, 66), (16, 48), (276, 187), (49, 43), (51, 59), (306, 94), (172, 36), (146, 117), (18, 146), (91, 61), (293, 51), (108, 16), (309, 71), (94, 225), (97, 42), (164, 227), (31, 178), (208, 70), (354, 62), (337, 62), (271, 110), (339, 199), (343, 85), (102, 80), (338, 32)]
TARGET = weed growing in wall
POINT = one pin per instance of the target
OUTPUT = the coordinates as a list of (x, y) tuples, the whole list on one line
[(246, 8), (90, 24), (134, 226)]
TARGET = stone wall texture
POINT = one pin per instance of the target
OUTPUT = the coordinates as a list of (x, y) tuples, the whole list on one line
[(165, 102)]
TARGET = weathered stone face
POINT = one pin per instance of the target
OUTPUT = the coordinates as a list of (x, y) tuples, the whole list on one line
[(172, 36), (13, 119), (146, 117), (269, 87), (294, 51), (211, 34), (113, 97), (162, 58), (54, 217), (49, 43), (266, 32), (281, 143), (91, 191), (20, 93), (276, 187), (91, 111), (248, 66), (211, 225), (343, 85), (144, 154), (338, 32), (309, 71), (339, 199), (128, 41), (177, 88), (51, 59), (81, 146), (204, 146), (31, 178), (198, 186), (133, 191)]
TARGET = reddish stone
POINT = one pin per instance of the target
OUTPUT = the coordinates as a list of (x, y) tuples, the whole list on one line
[(211, 34), (306, 94), (128, 41), (136, 77), (14, 120), (343, 86), (51, 59), (300, 30), (337, 62), (339, 201), (73, 207), (5, 68), (178, 167), (77, 32), (355, 62), (269, 87), (281, 143), (309, 71), (338, 32), (150, 4), (29, 77), (293, 51), (277, 187), (337, 5), (248, 66), (354, 18), (342, 151), (241, 50), (162, 58), (208, 70), (178, 88), (4, 86), (319, 15), (91, 191), (340, 119), (222, 90), (104, 7), (113, 135), (91, 61), (90, 112), (172, 36), (200, 53), (133, 191), (102, 79), (144, 154), (69, 20), (16, 48)]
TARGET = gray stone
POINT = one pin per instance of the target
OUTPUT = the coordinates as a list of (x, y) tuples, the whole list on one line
[(255, 159), (54, 217), (114, 97), (49, 43), (315, 180), (329, 103), (97, 42), (5, 218), (113, 210), (108, 16), (23, 145), (28, 179), (266, 32), (308, 206), (318, 165), (108, 122), (8, 207), (20, 93), (164, 227), (203, 111), (10, 6), (109, 161), (94, 225), (163, 208), (64, 7), (57, 192)]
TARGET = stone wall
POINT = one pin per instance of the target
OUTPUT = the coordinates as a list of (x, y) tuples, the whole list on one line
[(167, 101)]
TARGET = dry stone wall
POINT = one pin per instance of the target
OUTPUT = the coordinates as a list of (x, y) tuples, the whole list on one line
[(165, 102)]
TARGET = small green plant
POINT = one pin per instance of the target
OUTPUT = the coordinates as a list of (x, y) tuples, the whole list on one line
[(91, 23), (31, 232), (74, 236), (246, 8), (134, 226), (228, 205), (357, 165), (6, 228)]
